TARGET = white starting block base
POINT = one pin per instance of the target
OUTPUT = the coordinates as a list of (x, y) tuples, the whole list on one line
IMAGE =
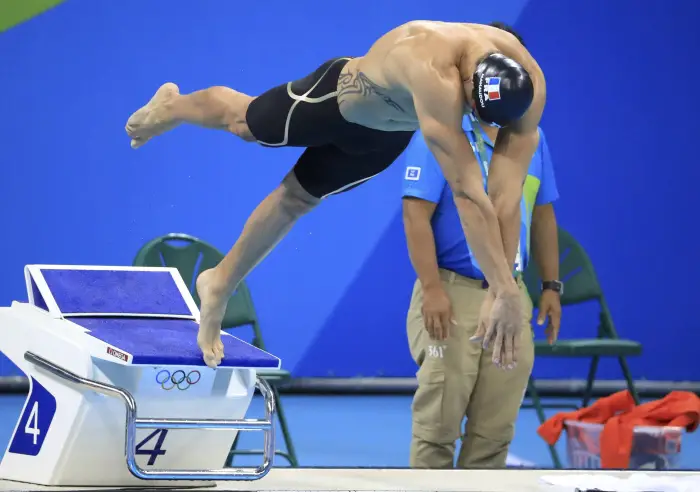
[(119, 394), (326, 479)]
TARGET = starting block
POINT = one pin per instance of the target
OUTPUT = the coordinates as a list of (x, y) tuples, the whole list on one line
[(116, 378)]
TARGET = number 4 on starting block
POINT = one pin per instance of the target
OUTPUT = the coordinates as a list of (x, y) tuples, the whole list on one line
[(158, 436), (34, 421), (119, 393)]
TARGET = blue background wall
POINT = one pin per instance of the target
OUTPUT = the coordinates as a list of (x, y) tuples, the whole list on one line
[(620, 120)]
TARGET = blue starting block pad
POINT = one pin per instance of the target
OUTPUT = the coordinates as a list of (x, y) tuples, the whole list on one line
[(158, 341), (145, 316)]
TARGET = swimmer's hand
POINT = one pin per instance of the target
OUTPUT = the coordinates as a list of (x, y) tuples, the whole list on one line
[(437, 312), (501, 324)]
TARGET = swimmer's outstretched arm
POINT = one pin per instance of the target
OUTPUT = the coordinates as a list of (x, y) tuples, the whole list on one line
[(439, 103), (512, 154)]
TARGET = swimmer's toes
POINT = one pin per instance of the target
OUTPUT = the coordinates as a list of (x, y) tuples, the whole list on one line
[(210, 358), (134, 125), (137, 142), (215, 362)]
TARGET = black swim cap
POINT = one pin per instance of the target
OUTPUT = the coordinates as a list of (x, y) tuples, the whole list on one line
[(503, 90)]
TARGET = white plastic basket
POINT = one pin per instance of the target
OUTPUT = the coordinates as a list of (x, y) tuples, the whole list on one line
[(656, 448)]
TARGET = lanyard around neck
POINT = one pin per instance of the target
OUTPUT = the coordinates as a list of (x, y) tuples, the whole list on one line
[(482, 155)]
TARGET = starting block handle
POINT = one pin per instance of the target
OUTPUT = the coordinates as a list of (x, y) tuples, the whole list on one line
[(133, 423)]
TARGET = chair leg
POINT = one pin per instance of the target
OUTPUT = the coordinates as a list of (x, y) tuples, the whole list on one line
[(628, 377), (292, 455), (537, 404), (588, 392)]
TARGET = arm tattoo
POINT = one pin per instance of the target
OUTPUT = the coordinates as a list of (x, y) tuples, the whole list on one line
[(361, 84)]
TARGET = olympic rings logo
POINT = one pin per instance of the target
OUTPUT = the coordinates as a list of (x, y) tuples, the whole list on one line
[(178, 379)]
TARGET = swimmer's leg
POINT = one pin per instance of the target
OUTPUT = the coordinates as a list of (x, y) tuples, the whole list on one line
[(216, 107), (266, 227)]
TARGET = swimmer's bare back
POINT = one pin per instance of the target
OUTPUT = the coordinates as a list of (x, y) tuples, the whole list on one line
[(376, 90)]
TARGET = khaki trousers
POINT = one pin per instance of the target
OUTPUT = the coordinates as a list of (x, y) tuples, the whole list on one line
[(457, 379)]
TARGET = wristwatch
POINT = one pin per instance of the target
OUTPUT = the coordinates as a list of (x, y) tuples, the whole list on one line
[(554, 285)]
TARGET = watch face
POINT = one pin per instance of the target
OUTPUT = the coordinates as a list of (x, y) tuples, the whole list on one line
[(554, 285)]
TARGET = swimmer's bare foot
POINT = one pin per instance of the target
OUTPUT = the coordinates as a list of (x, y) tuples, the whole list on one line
[(153, 119), (212, 310)]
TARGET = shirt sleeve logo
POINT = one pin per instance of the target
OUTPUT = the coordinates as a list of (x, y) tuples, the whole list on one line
[(412, 173)]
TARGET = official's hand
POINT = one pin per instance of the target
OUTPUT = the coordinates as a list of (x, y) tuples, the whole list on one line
[(550, 310), (484, 318), (437, 312)]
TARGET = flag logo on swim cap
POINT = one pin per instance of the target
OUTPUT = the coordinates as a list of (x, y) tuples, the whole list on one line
[(492, 88)]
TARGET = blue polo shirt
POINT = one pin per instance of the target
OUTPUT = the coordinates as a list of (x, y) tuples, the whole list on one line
[(424, 179)]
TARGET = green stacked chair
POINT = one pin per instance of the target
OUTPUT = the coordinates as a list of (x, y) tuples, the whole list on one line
[(580, 285), (191, 256)]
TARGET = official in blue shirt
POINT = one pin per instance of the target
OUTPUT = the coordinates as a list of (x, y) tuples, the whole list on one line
[(456, 377)]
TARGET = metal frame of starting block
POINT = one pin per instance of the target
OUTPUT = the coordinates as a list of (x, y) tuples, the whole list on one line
[(92, 337)]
